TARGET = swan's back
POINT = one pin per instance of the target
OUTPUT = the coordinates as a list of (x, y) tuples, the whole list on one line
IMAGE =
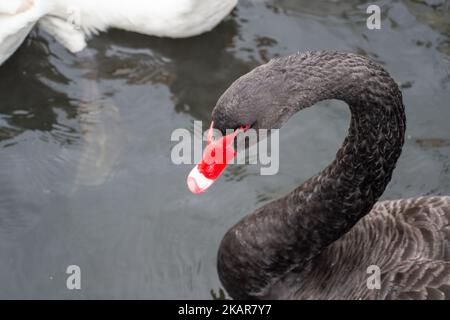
[(168, 18), (407, 239), (72, 21)]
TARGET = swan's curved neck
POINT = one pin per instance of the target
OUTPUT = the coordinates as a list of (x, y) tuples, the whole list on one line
[(287, 233)]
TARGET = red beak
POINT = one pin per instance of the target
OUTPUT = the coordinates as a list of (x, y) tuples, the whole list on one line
[(216, 156)]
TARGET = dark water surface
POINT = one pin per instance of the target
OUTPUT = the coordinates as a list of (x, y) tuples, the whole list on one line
[(85, 170)]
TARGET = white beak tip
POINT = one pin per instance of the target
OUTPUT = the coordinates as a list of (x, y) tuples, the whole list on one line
[(197, 182)]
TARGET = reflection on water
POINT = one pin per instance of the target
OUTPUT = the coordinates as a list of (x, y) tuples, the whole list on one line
[(100, 127), (437, 16), (433, 143), (85, 169), (194, 79)]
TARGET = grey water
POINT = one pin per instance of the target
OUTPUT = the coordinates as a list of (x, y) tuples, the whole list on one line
[(86, 177)]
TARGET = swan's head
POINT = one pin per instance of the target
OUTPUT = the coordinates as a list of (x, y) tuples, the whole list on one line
[(257, 100), (261, 99)]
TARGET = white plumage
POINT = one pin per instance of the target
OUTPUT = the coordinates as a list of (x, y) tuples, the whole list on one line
[(72, 21)]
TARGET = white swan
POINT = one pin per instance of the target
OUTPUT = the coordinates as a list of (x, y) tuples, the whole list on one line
[(17, 18), (71, 22)]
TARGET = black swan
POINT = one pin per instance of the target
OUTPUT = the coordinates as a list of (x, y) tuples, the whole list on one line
[(318, 241)]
